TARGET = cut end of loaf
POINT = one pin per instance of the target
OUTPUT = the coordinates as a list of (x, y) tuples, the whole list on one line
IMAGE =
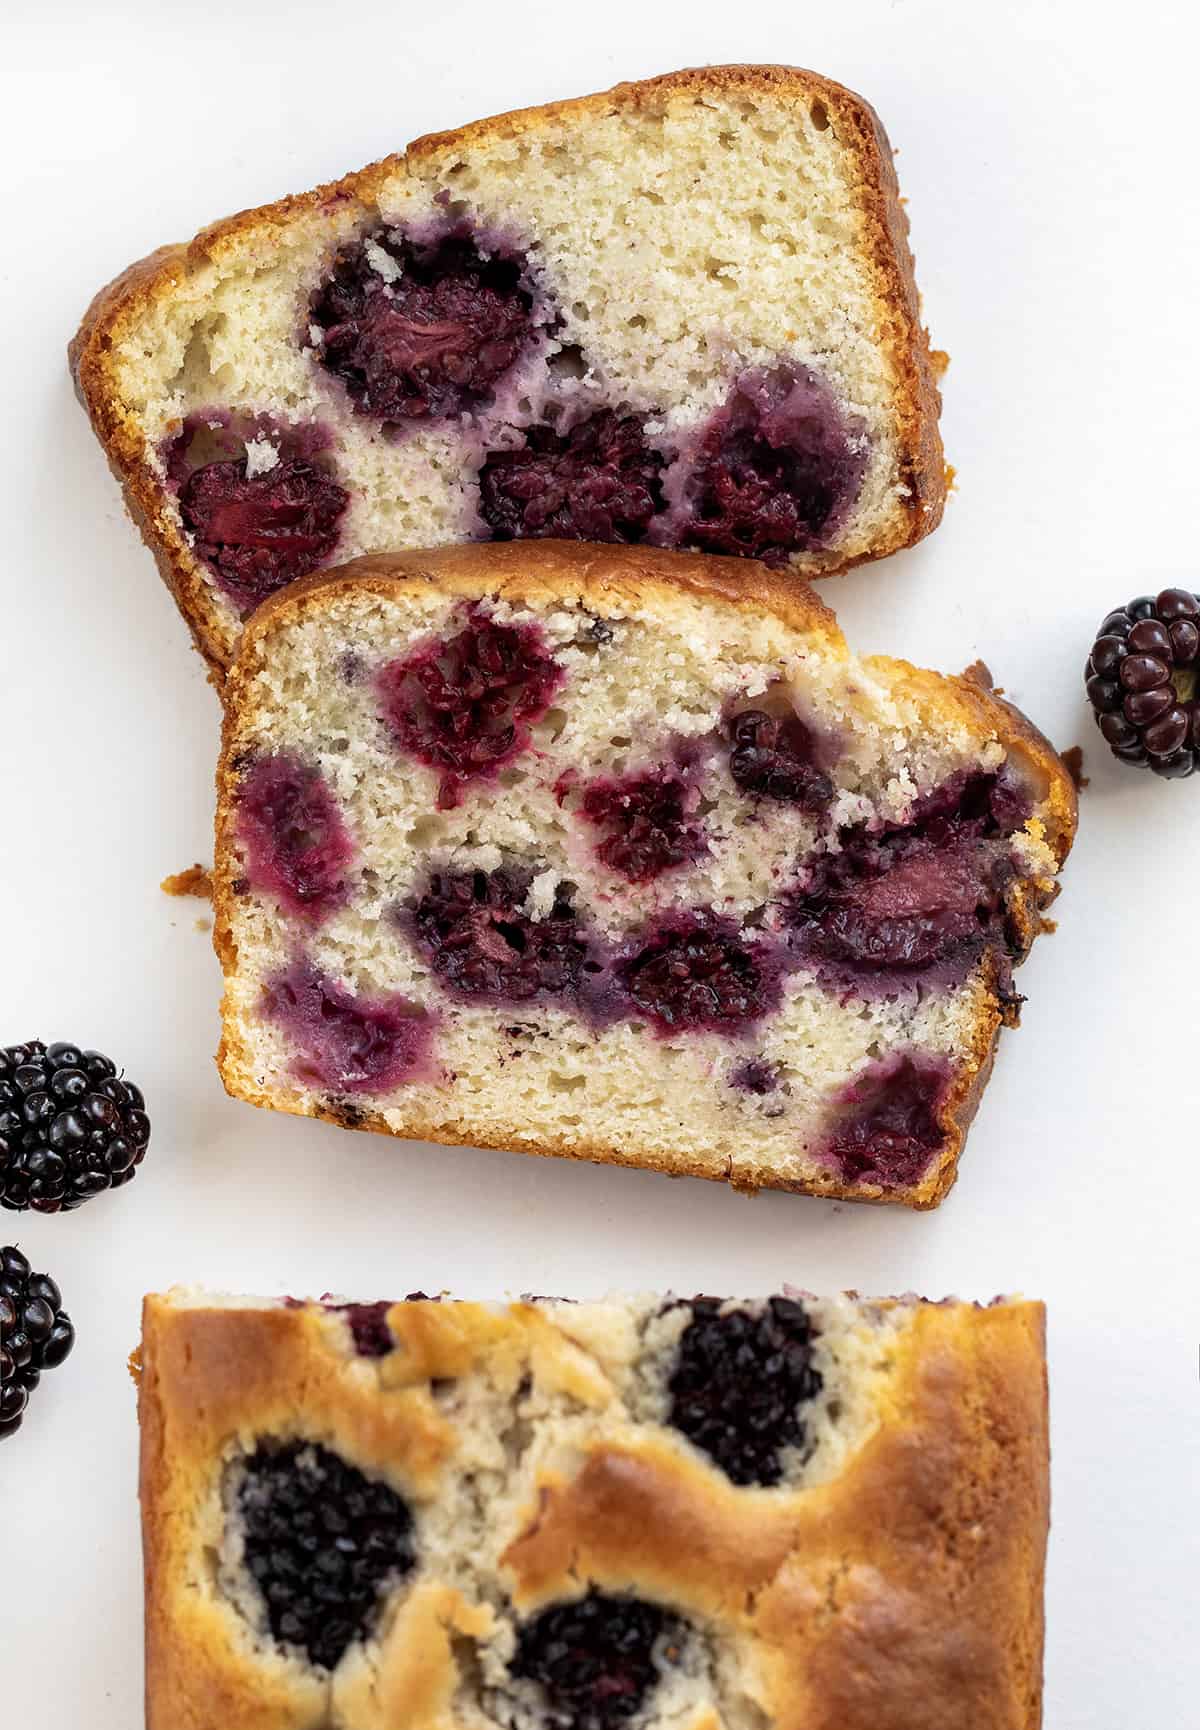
[(679, 313), (561, 850)]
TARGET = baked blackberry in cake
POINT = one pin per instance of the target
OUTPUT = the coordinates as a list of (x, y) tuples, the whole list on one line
[(681, 312), (644, 1512), (620, 854)]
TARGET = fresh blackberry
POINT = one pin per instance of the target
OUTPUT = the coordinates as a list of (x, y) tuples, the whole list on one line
[(70, 1127), (740, 1380), (35, 1334), (1141, 681), (596, 1658), (322, 1542)]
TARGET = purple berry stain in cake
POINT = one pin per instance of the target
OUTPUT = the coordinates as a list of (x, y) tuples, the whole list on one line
[(646, 822), (483, 945), (888, 1130), (422, 327), (905, 899), (600, 481), (741, 1380), (258, 499), (344, 1043), (596, 1658), (778, 756), (369, 1328), (464, 704), (696, 973), (775, 471), (755, 1076), (298, 848)]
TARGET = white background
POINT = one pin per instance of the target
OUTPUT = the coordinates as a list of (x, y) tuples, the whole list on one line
[(1049, 155)]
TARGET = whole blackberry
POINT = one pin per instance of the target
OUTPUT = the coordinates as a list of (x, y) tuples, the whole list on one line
[(595, 1658), (35, 1334), (739, 1382), (70, 1127), (1142, 682), (322, 1542)]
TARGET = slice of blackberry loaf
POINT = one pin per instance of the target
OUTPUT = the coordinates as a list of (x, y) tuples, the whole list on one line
[(646, 1512), (620, 854), (680, 312)]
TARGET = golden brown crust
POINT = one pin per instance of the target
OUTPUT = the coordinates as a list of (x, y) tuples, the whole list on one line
[(902, 1593), (612, 577), (116, 309)]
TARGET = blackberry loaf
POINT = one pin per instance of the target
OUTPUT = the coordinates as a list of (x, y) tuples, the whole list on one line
[(682, 312), (825, 1514), (621, 854)]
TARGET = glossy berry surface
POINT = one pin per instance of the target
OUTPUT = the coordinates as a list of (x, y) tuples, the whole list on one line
[(256, 532), (297, 846), (596, 1659), (1141, 679), (916, 895), (598, 482), (483, 945), (775, 757), (421, 329), (70, 1127), (740, 1383), (345, 1043), (35, 1334), (322, 1543), (645, 823), (464, 704), (774, 473), (889, 1130), (695, 973)]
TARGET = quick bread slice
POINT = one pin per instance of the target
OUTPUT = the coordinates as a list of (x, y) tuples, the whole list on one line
[(643, 1512), (620, 854), (682, 311)]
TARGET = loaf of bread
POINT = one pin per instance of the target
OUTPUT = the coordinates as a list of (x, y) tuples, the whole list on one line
[(654, 1513), (681, 312), (620, 854)]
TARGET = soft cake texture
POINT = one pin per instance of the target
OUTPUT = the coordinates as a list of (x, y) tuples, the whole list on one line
[(676, 235), (891, 1574), (645, 657)]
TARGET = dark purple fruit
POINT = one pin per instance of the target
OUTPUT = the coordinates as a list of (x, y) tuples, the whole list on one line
[(322, 1542), (697, 973), (1141, 680), (297, 846), (421, 329), (645, 822), (35, 1334), (70, 1127), (596, 1659), (464, 704), (741, 1380), (598, 482), (483, 945)]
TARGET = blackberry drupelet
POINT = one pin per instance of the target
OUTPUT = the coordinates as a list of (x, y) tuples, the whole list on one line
[(322, 1543), (70, 1127), (596, 1659), (739, 1383), (774, 757), (35, 1334), (599, 482), (1141, 679)]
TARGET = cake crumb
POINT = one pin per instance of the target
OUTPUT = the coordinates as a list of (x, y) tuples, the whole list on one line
[(979, 673), (196, 880), (1073, 759)]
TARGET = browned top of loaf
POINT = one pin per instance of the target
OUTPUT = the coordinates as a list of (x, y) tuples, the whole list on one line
[(116, 309), (905, 1592)]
